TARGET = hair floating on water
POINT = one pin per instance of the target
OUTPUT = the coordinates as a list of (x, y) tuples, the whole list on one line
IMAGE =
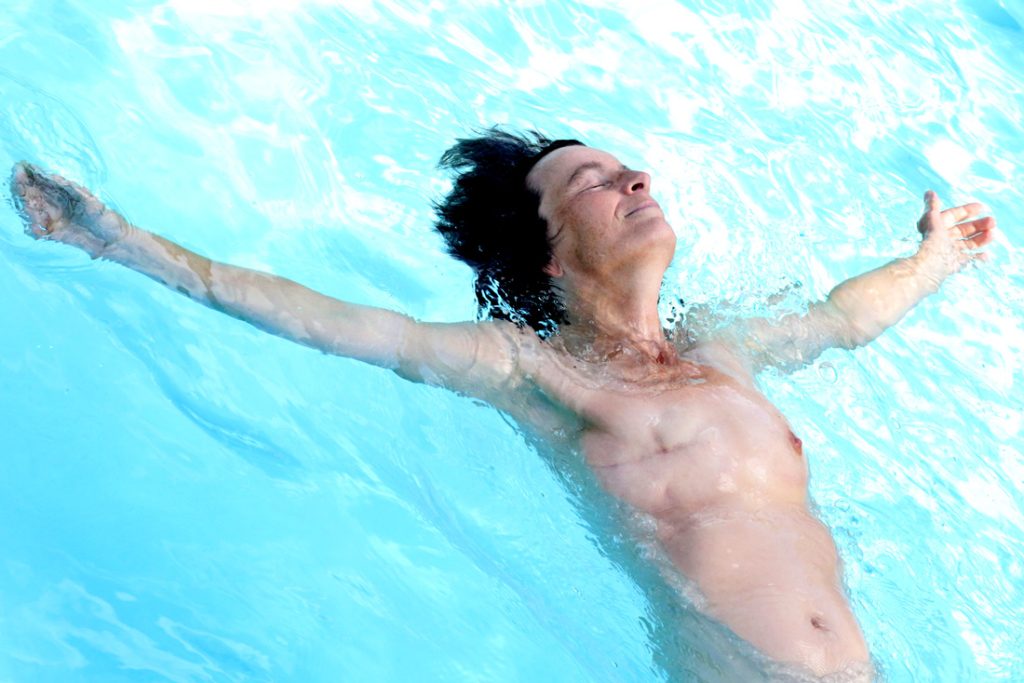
[(490, 221)]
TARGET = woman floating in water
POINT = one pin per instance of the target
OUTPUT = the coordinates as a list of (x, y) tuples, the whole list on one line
[(569, 248)]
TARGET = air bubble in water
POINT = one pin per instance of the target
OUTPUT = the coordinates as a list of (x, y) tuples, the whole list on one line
[(828, 373)]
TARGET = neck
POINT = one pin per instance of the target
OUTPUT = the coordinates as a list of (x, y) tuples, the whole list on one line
[(610, 321)]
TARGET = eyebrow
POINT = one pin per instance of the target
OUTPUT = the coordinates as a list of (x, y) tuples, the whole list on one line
[(587, 166)]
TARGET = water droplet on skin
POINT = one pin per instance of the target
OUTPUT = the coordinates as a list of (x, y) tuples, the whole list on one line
[(827, 371)]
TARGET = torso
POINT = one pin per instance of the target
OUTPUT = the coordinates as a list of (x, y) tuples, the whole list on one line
[(714, 464)]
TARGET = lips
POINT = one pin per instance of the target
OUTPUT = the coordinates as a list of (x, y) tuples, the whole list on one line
[(644, 205)]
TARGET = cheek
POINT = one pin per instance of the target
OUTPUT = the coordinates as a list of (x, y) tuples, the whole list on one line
[(584, 217)]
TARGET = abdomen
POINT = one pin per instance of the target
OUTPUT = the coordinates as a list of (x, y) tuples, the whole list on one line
[(772, 576)]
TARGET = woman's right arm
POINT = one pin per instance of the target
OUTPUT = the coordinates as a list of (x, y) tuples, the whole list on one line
[(478, 359)]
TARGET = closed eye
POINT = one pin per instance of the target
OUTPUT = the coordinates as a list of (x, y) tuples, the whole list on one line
[(596, 182), (585, 175)]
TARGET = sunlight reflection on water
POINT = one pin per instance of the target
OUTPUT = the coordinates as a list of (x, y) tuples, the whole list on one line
[(277, 515)]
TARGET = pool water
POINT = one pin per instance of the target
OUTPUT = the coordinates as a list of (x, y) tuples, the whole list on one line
[(184, 498)]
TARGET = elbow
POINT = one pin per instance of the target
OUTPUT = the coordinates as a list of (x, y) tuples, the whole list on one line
[(853, 334), (849, 342), (848, 330)]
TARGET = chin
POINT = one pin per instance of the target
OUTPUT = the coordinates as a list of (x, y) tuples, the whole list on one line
[(651, 236), (659, 249), (663, 236)]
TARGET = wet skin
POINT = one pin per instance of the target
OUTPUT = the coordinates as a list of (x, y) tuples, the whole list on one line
[(678, 432), (682, 434), (693, 444)]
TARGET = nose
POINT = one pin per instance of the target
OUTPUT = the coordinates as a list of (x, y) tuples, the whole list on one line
[(637, 181)]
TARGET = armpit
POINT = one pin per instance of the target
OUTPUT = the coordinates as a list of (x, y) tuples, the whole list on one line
[(474, 359)]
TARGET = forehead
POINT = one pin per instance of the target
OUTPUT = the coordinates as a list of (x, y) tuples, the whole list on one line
[(556, 168)]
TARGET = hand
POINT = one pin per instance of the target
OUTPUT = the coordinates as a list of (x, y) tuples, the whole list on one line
[(951, 236), (57, 209)]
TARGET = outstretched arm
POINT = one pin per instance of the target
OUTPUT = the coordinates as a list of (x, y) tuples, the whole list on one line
[(861, 308), (476, 359)]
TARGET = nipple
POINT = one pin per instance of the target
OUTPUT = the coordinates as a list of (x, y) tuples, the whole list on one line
[(798, 445)]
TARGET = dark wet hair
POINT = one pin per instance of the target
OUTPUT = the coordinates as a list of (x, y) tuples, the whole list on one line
[(490, 221)]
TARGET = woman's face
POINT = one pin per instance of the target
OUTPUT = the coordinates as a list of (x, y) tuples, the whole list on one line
[(600, 214)]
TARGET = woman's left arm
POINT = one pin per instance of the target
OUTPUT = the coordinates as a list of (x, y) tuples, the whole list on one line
[(861, 308)]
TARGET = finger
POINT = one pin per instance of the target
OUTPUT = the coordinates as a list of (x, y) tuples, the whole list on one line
[(20, 173), (36, 231), (31, 206), (20, 179), (961, 213), (54, 194), (980, 239), (40, 208), (969, 228), (980, 257), (48, 214), (32, 172), (931, 213), (69, 185), (31, 203)]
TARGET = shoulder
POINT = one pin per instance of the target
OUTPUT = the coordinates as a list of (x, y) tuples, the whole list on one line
[(480, 359), (723, 351)]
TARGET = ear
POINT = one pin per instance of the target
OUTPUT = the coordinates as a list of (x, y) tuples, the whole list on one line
[(553, 268)]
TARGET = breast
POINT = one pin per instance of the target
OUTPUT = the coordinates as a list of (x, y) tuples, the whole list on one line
[(697, 445)]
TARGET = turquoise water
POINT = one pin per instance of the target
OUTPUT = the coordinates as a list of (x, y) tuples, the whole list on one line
[(186, 499)]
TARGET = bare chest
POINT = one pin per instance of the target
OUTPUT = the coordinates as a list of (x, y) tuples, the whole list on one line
[(689, 443)]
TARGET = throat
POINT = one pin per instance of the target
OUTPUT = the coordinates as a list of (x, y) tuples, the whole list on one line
[(629, 357), (664, 358), (644, 352), (648, 365)]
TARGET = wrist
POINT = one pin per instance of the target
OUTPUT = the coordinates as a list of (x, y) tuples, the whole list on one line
[(932, 264), (123, 245)]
